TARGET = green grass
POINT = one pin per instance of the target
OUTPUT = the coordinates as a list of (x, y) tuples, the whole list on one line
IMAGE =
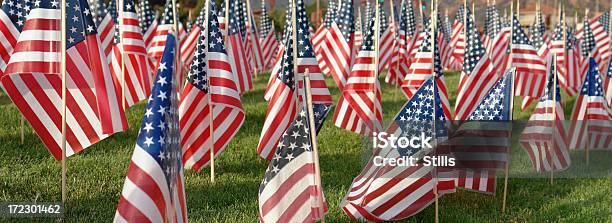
[(95, 177)]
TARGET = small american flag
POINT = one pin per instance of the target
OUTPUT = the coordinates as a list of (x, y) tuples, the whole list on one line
[(401, 60), (154, 188), (337, 49), (387, 40), (188, 47), (530, 68), (106, 28), (267, 36), (539, 36), (148, 21), (592, 117), (458, 38), (235, 49), (210, 85), (288, 192), (132, 50), (421, 70), (545, 138), (392, 193), (253, 46), (12, 19), (568, 59), (283, 91), (600, 43), (33, 84), (482, 142), (359, 108), (158, 41), (478, 75)]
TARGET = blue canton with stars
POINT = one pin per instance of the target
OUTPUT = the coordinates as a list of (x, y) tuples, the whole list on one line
[(604, 19), (330, 15), (558, 35), (537, 31), (235, 18), (17, 11), (346, 19), (474, 49), (168, 17), (518, 34), (101, 12), (112, 9), (408, 19), (146, 15), (159, 132), (197, 73), (79, 22), (609, 74), (384, 22), (588, 40), (548, 92), (266, 22), (495, 106), (417, 115), (368, 39), (592, 83), (296, 141)]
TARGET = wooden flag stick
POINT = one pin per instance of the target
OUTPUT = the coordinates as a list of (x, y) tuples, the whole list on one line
[(396, 44), (64, 90), (586, 148), (21, 129), (210, 106), (507, 165), (420, 10), (123, 56), (315, 151), (433, 24), (250, 21), (376, 62), (554, 113), (226, 20)]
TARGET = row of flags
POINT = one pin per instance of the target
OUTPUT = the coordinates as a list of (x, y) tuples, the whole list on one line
[(117, 57)]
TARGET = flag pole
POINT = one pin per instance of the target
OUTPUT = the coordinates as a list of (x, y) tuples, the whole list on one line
[(507, 165), (64, 95), (210, 106), (21, 129), (318, 12), (586, 148), (311, 120), (554, 113), (250, 21), (433, 21), (376, 62), (120, 19), (315, 151), (226, 20), (420, 11), (395, 44)]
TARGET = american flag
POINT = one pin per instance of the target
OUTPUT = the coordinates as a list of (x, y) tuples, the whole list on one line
[(493, 27), (283, 91), (106, 28), (602, 44), (391, 193), (210, 85), (154, 188), (318, 38), (539, 37), (421, 70), (458, 38), (478, 75), (254, 50), (33, 84), (530, 68), (188, 47), (130, 49), (545, 138), (592, 117), (387, 40), (158, 41), (481, 144), (236, 51), (288, 192), (269, 43), (336, 49), (359, 108), (568, 58), (12, 19), (400, 60)]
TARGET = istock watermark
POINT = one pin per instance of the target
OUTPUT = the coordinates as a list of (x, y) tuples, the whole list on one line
[(404, 148)]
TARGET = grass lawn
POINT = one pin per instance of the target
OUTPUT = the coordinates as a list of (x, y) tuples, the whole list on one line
[(95, 177)]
